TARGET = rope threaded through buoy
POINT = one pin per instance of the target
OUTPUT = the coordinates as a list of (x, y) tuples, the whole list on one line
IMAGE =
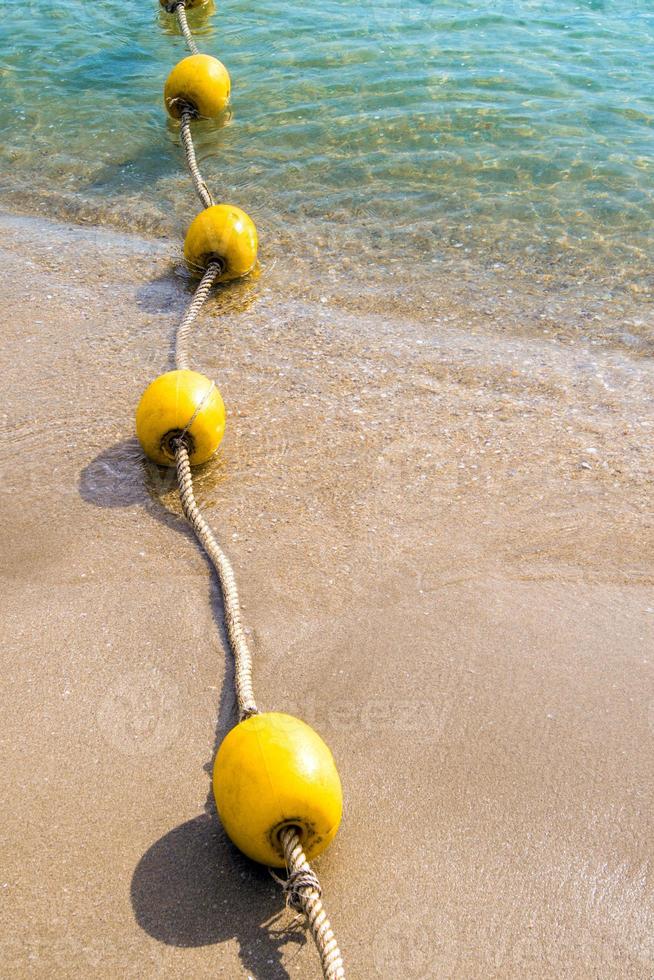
[(302, 886), (305, 894)]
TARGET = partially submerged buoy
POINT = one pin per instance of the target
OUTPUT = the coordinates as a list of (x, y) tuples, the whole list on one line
[(180, 404), (225, 234), (199, 83), (273, 771)]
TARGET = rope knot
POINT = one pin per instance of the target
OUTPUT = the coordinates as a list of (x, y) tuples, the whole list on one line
[(186, 109), (296, 881), (248, 711)]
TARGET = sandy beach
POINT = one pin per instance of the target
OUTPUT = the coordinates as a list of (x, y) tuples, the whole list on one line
[(444, 541)]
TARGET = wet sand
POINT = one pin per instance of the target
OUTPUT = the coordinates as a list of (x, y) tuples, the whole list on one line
[(444, 541)]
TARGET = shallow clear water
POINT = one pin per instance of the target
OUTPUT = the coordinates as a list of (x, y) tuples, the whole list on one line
[(401, 137)]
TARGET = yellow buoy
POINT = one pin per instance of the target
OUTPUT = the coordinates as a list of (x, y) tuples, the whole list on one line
[(273, 771), (224, 233), (199, 82), (176, 403)]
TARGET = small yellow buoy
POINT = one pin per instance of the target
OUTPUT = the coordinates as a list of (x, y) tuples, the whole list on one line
[(224, 233), (176, 403), (199, 82), (273, 771)]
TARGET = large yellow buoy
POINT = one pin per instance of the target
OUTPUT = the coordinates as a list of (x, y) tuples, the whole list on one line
[(223, 233), (273, 771), (200, 83), (180, 402)]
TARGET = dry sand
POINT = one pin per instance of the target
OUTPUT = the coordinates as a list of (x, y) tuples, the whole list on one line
[(444, 542)]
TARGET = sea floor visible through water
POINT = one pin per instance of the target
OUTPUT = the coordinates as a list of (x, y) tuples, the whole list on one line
[(423, 160), (441, 523)]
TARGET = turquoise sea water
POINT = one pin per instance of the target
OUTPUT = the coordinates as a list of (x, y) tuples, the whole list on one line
[(519, 133)]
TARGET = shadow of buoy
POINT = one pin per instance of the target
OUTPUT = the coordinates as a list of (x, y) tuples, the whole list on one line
[(121, 477), (192, 888)]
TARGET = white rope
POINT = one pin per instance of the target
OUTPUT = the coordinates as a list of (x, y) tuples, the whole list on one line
[(304, 893), (227, 579), (187, 141), (180, 11), (201, 293)]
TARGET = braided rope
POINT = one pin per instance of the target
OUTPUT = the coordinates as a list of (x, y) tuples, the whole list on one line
[(302, 887), (201, 293), (185, 132), (180, 12), (227, 579), (304, 894)]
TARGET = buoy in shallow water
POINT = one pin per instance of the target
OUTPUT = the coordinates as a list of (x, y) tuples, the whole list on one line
[(225, 234), (273, 771), (200, 83), (176, 403)]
